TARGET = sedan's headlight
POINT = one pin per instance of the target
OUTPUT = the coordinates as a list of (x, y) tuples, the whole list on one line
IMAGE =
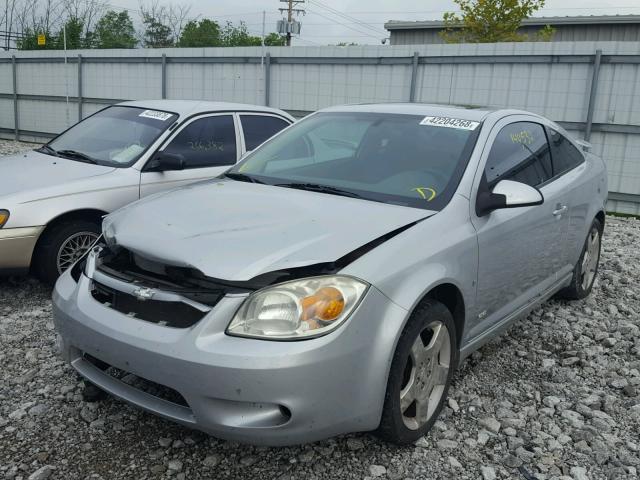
[(299, 309), (4, 217)]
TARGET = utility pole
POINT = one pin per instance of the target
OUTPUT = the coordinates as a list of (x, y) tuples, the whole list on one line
[(290, 11)]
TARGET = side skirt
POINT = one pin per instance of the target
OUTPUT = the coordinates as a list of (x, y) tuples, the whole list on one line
[(499, 328)]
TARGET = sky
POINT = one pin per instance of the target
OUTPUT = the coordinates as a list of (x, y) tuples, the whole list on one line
[(361, 21)]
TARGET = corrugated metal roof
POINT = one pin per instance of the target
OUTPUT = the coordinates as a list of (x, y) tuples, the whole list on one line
[(534, 21)]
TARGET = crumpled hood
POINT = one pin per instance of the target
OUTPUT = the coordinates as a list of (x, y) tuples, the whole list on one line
[(235, 230), (30, 172)]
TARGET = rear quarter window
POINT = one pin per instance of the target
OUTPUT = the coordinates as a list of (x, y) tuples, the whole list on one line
[(563, 154)]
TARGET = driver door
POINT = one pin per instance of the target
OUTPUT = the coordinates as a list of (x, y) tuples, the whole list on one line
[(519, 248), (209, 145)]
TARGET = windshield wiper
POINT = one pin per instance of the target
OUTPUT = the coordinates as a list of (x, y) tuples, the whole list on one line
[(314, 187), (48, 150), (79, 155), (241, 177)]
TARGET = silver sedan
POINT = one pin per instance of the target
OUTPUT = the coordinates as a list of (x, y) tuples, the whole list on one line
[(52, 199), (362, 254)]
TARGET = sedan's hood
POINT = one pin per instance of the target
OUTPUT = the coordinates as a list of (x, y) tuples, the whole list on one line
[(235, 231), (33, 171)]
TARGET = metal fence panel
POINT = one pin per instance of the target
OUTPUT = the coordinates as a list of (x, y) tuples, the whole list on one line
[(594, 94)]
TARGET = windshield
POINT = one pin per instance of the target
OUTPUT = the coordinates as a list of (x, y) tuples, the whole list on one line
[(408, 160), (116, 136)]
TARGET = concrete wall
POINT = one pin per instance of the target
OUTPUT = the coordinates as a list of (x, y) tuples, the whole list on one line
[(552, 79)]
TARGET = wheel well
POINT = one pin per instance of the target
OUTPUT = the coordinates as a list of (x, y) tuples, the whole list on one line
[(600, 216), (451, 297), (91, 215)]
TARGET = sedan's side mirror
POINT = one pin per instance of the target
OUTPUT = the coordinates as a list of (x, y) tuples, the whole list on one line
[(165, 162), (508, 194)]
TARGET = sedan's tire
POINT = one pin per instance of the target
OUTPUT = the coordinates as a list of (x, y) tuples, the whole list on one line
[(61, 246), (585, 271), (421, 371)]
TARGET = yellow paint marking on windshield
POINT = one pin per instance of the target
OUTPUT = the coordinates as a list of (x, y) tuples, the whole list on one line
[(425, 192)]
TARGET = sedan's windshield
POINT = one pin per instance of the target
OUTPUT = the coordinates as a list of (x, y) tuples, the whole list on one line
[(116, 136), (408, 160)]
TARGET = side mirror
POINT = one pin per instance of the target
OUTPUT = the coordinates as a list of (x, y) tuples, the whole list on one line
[(165, 162), (508, 194)]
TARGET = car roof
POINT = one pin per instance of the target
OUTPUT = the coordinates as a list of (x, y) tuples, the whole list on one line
[(192, 107), (467, 112)]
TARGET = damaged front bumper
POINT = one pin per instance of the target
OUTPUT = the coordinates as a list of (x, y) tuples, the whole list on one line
[(253, 391)]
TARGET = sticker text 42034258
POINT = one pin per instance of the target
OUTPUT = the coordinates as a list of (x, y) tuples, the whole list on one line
[(449, 122)]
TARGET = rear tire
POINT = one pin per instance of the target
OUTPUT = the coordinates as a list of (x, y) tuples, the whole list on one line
[(585, 271), (60, 247), (421, 371)]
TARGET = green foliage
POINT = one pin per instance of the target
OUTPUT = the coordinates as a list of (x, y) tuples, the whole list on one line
[(75, 37), (489, 21), (203, 33), (156, 33), (275, 40), (114, 30), (238, 36), (74, 31)]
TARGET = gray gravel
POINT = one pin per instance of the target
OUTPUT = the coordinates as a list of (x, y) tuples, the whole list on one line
[(558, 397), (9, 147)]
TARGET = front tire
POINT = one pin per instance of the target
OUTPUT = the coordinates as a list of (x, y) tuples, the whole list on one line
[(585, 271), (421, 371), (61, 246)]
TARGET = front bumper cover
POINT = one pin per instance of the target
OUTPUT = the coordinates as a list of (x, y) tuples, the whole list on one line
[(253, 391), (16, 248)]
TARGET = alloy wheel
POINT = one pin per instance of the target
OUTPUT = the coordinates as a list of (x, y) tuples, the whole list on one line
[(590, 259), (73, 248), (425, 375)]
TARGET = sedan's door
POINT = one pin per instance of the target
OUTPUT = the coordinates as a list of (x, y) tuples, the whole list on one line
[(519, 248), (209, 145)]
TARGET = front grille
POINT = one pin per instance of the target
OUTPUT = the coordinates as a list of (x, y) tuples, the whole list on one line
[(190, 286), (170, 314), (139, 383)]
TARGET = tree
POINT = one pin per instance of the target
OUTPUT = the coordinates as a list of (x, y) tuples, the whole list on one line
[(238, 36), (275, 40), (114, 30), (203, 33), (73, 29), (488, 21), (156, 34)]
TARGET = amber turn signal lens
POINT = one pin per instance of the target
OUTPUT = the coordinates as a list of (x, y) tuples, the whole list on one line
[(4, 216), (326, 304)]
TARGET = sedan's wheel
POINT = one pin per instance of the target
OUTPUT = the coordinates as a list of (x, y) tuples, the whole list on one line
[(590, 259), (584, 273), (61, 246), (73, 249), (421, 372)]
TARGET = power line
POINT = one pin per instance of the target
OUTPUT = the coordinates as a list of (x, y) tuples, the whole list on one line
[(345, 16), (344, 24)]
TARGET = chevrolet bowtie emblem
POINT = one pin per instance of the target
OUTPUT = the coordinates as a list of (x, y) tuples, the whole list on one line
[(144, 294)]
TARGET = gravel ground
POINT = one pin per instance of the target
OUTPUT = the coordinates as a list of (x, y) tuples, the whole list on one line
[(557, 397)]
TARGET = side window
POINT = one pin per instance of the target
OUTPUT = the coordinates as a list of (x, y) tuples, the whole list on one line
[(206, 142), (564, 155), (259, 128), (520, 152)]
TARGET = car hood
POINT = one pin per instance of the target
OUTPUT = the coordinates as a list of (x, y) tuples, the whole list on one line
[(29, 172), (236, 231)]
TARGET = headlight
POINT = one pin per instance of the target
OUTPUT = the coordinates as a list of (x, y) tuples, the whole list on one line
[(299, 309), (4, 217), (108, 231)]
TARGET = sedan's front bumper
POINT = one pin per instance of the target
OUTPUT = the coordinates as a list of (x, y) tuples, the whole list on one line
[(254, 391), (16, 248)]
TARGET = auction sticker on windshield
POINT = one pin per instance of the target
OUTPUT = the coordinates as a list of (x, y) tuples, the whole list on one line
[(156, 115), (449, 122)]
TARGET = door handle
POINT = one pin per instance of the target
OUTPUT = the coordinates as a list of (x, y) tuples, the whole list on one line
[(559, 210)]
